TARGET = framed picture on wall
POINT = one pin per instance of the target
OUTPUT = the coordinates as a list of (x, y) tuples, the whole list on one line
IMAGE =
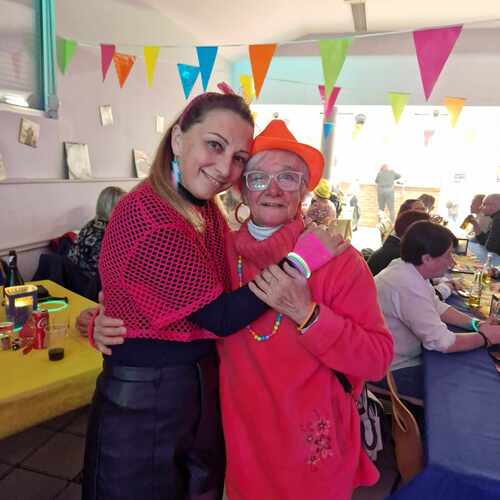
[(29, 133), (77, 160), (160, 124), (142, 163), (106, 114)]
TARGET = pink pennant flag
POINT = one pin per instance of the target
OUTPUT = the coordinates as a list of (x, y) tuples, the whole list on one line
[(428, 134), (321, 89), (330, 102), (433, 48), (107, 53)]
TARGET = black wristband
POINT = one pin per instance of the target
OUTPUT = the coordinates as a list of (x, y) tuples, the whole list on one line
[(486, 342)]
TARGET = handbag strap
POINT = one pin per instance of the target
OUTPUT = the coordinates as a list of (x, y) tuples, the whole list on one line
[(344, 382)]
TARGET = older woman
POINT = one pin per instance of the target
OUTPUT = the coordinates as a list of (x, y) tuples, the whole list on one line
[(85, 251), (291, 430)]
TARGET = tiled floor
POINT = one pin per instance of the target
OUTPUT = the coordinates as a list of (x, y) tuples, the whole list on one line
[(45, 463)]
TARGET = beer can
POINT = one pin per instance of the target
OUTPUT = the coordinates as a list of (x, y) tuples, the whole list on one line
[(40, 327)]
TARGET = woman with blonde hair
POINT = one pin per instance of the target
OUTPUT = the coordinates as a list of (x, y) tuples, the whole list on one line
[(154, 429)]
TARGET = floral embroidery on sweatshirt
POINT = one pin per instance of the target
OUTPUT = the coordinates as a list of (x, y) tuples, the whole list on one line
[(317, 437)]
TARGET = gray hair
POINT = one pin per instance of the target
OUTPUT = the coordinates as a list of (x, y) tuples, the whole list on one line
[(107, 200), (257, 159)]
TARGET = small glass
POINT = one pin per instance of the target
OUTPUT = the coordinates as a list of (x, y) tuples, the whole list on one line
[(57, 336), (495, 309)]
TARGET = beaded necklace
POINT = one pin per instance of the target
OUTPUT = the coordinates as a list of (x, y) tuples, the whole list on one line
[(277, 320)]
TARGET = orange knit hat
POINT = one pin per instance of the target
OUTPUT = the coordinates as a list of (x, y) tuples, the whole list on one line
[(277, 136)]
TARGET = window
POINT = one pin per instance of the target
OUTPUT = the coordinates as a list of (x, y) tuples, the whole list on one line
[(27, 53)]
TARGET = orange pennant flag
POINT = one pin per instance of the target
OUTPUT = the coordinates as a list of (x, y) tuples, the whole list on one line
[(260, 59), (454, 106), (123, 65)]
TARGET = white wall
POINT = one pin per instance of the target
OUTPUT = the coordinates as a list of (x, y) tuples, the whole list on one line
[(33, 212)]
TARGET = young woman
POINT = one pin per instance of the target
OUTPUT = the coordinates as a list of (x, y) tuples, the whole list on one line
[(154, 429)]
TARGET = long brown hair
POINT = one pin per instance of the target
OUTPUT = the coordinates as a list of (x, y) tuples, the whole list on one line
[(160, 175)]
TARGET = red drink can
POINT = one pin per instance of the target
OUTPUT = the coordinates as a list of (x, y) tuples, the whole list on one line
[(40, 326)]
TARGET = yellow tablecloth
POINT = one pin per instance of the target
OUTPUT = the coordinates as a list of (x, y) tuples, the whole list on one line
[(34, 389)]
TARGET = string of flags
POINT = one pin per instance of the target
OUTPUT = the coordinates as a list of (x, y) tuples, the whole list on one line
[(433, 47)]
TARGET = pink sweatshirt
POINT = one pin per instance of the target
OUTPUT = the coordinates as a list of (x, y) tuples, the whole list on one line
[(292, 433)]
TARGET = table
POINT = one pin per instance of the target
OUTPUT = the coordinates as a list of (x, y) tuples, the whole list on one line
[(34, 389), (462, 421)]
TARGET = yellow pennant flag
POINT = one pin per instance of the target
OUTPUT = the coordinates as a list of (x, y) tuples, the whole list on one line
[(454, 106), (398, 103), (247, 87), (150, 56)]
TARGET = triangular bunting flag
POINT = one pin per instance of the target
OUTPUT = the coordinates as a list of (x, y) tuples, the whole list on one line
[(246, 82), (321, 89), (398, 103), (150, 56), (356, 129), (206, 59), (330, 102), (327, 129), (188, 75), (123, 65), (428, 134), (65, 51), (433, 48), (454, 106), (107, 53), (333, 54), (260, 59)]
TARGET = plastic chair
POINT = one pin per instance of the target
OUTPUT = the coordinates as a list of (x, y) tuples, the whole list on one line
[(406, 434)]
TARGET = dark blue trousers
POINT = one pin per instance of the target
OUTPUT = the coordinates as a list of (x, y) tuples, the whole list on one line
[(155, 434)]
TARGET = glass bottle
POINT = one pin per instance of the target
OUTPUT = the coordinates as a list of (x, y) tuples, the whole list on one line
[(474, 301), (487, 267), (14, 277)]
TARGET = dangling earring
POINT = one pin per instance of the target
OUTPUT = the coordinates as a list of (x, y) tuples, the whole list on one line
[(176, 172), (238, 206)]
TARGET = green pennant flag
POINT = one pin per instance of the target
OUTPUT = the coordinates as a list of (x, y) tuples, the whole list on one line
[(398, 103), (333, 53), (65, 52)]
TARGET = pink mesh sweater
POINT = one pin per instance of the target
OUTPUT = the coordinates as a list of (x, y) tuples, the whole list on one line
[(156, 269)]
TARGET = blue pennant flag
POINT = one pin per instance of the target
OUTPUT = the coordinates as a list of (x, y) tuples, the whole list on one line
[(327, 129), (188, 75), (206, 58)]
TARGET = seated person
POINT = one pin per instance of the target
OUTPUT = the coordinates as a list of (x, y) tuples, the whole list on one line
[(476, 222), (322, 210), (415, 316), (428, 201), (391, 248), (85, 252), (411, 204), (491, 239)]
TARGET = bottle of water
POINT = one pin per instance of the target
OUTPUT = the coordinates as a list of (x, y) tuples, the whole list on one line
[(474, 301), (487, 268)]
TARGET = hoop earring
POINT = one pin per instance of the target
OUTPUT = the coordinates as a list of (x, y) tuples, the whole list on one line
[(238, 206)]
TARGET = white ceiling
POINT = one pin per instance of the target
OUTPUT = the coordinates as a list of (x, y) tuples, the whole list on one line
[(221, 22)]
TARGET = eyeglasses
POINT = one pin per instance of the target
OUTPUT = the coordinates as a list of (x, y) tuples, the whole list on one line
[(287, 180)]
